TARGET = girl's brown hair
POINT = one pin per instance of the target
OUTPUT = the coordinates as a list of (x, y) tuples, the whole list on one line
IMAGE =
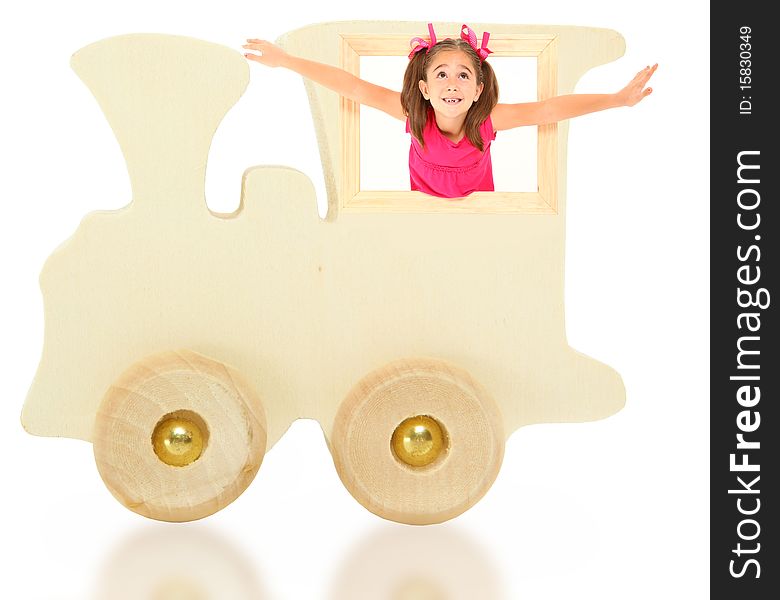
[(415, 106)]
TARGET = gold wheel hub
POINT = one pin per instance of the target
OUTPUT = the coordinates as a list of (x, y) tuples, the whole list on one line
[(179, 438), (419, 441)]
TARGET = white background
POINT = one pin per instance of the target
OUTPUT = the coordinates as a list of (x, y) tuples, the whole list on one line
[(607, 510)]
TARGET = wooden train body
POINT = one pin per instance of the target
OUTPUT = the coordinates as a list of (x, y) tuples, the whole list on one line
[(238, 324)]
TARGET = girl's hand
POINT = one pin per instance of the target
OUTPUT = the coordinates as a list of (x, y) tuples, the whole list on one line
[(269, 55), (635, 90)]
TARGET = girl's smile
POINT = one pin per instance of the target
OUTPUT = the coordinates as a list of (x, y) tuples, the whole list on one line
[(451, 85)]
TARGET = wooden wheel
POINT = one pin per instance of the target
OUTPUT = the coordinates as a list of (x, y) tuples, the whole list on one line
[(179, 436), (418, 441)]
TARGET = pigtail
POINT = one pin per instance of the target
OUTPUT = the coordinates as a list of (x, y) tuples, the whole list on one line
[(482, 108), (415, 106)]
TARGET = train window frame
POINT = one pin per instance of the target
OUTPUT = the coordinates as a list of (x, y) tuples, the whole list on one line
[(544, 47)]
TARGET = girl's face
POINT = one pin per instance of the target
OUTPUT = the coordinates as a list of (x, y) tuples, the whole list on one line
[(451, 84)]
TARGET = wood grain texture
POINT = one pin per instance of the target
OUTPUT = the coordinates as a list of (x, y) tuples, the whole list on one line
[(349, 119), (169, 383), (394, 490), (302, 308)]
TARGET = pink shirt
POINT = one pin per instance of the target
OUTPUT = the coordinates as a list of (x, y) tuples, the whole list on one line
[(449, 170)]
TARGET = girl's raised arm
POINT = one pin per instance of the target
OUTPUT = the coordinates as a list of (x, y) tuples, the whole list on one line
[(338, 80), (559, 108)]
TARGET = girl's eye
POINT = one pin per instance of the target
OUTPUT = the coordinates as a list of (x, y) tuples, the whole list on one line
[(464, 75), (441, 74)]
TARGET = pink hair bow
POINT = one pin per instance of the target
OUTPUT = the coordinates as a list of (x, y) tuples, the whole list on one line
[(418, 43), (467, 33)]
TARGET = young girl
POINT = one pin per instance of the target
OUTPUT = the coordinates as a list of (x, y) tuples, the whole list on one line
[(450, 103)]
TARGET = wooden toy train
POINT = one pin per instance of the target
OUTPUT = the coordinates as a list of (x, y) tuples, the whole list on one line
[(183, 343)]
